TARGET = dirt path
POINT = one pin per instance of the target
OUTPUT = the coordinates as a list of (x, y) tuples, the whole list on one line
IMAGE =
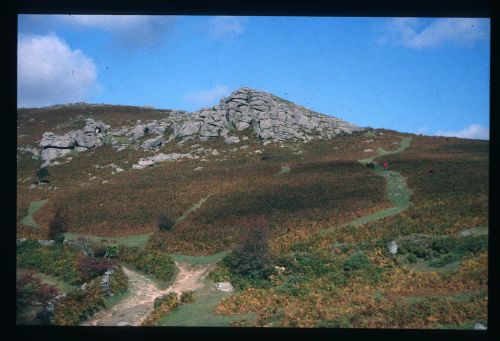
[(134, 308), (33, 208)]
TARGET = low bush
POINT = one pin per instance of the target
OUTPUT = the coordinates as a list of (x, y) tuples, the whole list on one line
[(162, 307), (31, 294), (151, 262), (90, 267), (445, 259), (58, 225), (56, 260), (79, 305), (356, 262), (411, 258), (165, 223), (187, 296)]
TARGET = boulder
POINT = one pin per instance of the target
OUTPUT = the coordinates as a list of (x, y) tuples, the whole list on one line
[(152, 142), (224, 287), (232, 140), (56, 141), (49, 154), (393, 247)]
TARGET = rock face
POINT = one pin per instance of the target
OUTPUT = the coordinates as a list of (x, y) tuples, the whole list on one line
[(269, 117)]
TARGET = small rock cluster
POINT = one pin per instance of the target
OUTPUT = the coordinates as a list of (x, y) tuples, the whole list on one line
[(55, 146)]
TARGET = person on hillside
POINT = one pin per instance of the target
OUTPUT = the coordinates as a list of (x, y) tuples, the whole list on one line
[(386, 165)]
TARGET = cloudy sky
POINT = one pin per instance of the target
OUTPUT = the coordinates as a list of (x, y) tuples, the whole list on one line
[(418, 75)]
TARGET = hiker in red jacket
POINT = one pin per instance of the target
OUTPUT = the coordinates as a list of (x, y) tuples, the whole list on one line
[(386, 165)]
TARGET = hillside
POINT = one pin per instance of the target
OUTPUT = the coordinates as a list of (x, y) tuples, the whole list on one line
[(258, 161)]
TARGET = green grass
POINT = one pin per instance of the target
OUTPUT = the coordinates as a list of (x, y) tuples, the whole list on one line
[(423, 266), (199, 260), (34, 207), (200, 312), (110, 301), (138, 240), (284, 170)]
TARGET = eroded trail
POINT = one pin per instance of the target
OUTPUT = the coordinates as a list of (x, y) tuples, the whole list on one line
[(134, 308)]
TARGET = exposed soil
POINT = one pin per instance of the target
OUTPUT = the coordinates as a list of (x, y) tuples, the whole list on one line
[(134, 308)]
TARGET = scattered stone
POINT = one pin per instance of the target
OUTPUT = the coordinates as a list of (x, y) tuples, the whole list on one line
[(231, 140), (368, 150), (266, 142), (224, 287), (151, 160), (244, 147), (258, 151), (45, 242), (198, 169), (105, 182), (32, 186), (215, 152)]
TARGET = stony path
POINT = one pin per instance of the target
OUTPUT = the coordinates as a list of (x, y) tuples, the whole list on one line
[(134, 308)]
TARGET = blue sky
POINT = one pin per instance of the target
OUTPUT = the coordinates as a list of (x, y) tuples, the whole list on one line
[(419, 75)]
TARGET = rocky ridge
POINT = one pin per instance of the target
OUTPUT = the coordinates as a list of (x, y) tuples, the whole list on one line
[(262, 114)]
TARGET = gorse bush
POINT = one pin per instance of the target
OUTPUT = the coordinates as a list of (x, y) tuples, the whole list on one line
[(162, 307), (151, 262), (187, 296)]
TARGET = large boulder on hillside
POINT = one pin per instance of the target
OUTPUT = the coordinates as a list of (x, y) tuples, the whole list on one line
[(52, 140), (152, 143)]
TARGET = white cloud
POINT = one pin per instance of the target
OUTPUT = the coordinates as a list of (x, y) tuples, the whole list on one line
[(136, 30), (414, 33), (226, 27), (474, 131), (50, 72), (207, 97)]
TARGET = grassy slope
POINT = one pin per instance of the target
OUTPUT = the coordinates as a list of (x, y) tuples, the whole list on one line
[(450, 199)]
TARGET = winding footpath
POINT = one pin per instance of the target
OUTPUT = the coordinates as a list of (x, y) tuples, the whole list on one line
[(397, 189), (142, 291)]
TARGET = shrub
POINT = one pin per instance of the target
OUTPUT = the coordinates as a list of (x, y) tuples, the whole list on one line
[(187, 296), (58, 225), (90, 267), (445, 259), (79, 305), (251, 262), (165, 223), (151, 262), (356, 262), (42, 174), (57, 260), (162, 306), (31, 293), (411, 258)]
